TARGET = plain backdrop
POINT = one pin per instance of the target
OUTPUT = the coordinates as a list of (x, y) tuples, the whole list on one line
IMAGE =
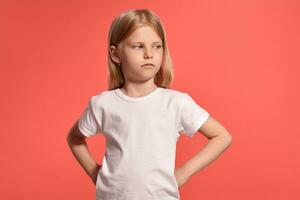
[(238, 59)]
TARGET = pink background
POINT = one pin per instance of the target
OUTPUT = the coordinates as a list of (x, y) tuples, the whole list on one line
[(237, 59)]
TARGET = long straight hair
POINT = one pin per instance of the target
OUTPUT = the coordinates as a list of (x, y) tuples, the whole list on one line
[(121, 27)]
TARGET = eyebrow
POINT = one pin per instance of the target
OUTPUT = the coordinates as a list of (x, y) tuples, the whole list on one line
[(152, 42)]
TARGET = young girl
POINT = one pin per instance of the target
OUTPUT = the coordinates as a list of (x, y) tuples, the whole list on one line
[(142, 118)]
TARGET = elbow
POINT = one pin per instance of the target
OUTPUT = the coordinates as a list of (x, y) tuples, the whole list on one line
[(228, 139)]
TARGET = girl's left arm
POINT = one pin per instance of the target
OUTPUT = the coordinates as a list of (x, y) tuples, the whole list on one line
[(219, 140)]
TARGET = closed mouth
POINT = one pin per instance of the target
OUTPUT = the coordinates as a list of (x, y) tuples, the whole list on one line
[(148, 65)]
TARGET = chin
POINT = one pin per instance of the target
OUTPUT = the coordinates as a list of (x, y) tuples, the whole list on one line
[(147, 77)]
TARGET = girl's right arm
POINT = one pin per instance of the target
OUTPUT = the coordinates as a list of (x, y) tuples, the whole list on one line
[(77, 143)]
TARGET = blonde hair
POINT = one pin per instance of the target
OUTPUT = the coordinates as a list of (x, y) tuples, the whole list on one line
[(121, 27)]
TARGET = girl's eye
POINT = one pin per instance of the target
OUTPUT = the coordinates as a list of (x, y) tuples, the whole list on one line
[(140, 46), (137, 46)]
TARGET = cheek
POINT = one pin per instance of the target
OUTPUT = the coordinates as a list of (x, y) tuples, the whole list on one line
[(159, 53), (160, 56), (132, 62), (131, 58), (137, 57)]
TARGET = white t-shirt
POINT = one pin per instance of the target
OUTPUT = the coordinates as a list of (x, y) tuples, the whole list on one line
[(141, 135)]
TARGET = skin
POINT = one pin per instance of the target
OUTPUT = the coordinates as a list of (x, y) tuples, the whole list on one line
[(143, 46), (219, 140), (139, 81)]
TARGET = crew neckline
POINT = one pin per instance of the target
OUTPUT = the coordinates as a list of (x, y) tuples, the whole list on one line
[(119, 92)]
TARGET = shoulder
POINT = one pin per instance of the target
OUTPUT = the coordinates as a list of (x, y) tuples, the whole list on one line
[(181, 97), (174, 94), (101, 98)]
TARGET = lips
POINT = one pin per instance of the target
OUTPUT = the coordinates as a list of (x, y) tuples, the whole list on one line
[(148, 65)]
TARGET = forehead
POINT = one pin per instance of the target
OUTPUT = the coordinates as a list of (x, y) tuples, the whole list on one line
[(143, 34)]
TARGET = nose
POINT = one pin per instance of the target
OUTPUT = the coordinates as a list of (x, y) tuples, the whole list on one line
[(148, 54)]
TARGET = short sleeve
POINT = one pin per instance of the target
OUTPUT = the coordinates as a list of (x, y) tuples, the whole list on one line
[(191, 116), (88, 123)]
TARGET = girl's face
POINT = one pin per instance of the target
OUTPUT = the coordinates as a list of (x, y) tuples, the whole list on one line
[(143, 46)]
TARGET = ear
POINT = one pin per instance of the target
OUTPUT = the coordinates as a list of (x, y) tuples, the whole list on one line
[(114, 54)]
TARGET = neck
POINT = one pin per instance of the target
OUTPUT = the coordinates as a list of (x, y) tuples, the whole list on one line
[(138, 90)]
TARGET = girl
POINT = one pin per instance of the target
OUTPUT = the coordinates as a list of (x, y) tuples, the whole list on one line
[(142, 118)]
